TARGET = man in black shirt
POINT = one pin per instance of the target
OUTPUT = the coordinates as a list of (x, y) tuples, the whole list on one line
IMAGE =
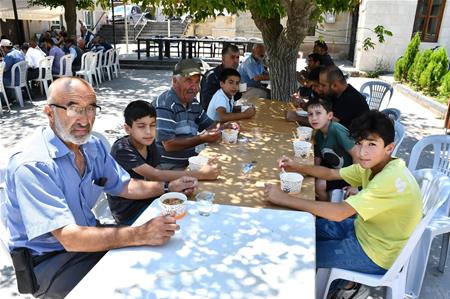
[(211, 83), (348, 103), (321, 48)]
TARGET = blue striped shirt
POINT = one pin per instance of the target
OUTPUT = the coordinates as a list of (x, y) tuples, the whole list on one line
[(174, 120)]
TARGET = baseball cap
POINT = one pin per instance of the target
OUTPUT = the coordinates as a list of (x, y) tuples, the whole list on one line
[(186, 68), (5, 43)]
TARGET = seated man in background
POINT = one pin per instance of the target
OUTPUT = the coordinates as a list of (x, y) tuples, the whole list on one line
[(33, 55), (210, 82), (387, 209), (348, 103), (252, 73), (71, 48), (311, 91), (52, 185), (137, 154), (12, 56), (321, 48), (313, 63), (56, 52)]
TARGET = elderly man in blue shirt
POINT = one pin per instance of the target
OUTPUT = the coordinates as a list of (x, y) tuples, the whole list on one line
[(252, 73), (12, 56), (52, 185)]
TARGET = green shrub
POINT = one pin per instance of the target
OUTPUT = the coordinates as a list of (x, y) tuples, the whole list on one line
[(412, 69), (422, 61), (430, 79), (444, 89), (399, 69), (404, 63)]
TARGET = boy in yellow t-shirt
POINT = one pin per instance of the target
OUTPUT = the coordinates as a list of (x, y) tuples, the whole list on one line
[(387, 209)]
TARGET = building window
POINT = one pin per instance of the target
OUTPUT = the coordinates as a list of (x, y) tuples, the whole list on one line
[(89, 19), (428, 19)]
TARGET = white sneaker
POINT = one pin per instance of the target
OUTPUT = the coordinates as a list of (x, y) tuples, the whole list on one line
[(359, 291)]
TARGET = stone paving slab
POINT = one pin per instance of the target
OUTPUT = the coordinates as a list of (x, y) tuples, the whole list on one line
[(114, 95)]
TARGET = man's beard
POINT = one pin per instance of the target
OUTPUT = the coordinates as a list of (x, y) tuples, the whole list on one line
[(66, 136)]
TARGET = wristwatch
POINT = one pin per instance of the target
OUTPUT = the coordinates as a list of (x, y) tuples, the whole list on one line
[(166, 187)]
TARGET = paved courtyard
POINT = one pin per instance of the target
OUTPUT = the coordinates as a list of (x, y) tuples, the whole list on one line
[(114, 95)]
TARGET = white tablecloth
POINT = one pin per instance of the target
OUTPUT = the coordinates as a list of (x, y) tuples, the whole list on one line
[(236, 252)]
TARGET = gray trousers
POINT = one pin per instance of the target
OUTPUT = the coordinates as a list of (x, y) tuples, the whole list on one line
[(59, 274)]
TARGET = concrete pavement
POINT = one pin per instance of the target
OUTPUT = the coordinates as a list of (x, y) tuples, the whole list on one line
[(114, 95)]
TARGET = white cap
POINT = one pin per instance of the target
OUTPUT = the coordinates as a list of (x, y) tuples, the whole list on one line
[(5, 43)]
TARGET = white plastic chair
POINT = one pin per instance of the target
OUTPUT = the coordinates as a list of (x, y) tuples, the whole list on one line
[(88, 67), (441, 150), (205, 66), (399, 136), (393, 113), (377, 92), (101, 208), (65, 66), (437, 192), (107, 63), (2, 89), (115, 64), (440, 224), (45, 65), (98, 67), (22, 68)]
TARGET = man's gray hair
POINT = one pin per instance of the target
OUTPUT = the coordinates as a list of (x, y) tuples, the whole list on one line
[(255, 46)]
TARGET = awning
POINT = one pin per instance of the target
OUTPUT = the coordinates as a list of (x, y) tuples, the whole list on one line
[(26, 12)]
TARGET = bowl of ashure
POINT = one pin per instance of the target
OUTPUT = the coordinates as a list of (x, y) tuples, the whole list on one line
[(301, 112), (173, 203)]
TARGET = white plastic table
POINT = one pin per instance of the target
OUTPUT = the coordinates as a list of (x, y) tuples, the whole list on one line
[(236, 252)]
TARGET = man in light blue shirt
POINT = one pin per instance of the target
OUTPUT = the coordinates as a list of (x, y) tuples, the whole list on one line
[(252, 73), (54, 182), (12, 56)]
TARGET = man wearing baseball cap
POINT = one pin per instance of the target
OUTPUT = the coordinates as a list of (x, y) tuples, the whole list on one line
[(12, 56), (179, 118)]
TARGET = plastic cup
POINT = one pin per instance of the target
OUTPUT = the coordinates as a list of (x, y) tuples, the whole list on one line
[(230, 136), (245, 107), (168, 208), (204, 202), (301, 148), (291, 182), (304, 133), (197, 162), (242, 87)]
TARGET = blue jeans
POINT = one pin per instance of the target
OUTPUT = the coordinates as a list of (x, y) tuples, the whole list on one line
[(338, 247)]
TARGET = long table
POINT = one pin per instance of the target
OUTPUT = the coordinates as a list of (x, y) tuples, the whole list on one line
[(236, 252), (187, 45)]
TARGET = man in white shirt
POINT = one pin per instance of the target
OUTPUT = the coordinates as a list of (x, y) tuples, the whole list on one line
[(33, 55)]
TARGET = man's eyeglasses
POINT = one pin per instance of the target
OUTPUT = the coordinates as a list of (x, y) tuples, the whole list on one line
[(73, 110)]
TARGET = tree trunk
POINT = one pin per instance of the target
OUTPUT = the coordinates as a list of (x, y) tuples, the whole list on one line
[(282, 43), (282, 68), (70, 14)]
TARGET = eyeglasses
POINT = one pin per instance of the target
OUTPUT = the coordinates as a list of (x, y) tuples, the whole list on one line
[(73, 110)]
